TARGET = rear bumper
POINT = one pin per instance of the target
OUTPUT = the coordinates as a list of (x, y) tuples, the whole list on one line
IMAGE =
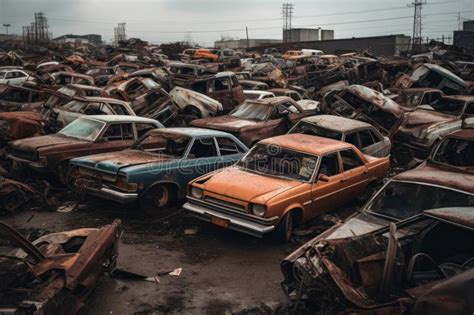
[(112, 194), (238, 221)]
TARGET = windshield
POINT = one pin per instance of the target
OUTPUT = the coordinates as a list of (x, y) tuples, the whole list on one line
[(456, 152), (409, 99), (83, 128), (449, 106), (402, 200), (164, 143), (254, 111), (279, 162), (2, 74), (315, 130), (67, 91)]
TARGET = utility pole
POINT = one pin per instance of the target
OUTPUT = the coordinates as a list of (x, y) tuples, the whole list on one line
[(6, 27), (287, 14), (247, 32), (417, 23)]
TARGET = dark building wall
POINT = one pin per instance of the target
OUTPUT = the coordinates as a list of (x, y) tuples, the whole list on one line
[(464, 39), (378, 45), (468, 26)]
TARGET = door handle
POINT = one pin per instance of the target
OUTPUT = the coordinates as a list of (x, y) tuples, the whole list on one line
[(343, 180)]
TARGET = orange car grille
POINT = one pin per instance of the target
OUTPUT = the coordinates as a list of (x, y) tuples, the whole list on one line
[(224, 203)]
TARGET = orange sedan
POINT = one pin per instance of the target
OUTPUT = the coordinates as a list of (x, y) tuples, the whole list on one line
[(283, 181)]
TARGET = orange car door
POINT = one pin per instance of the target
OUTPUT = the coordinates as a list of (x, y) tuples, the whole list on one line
[(355, 173), (328, 186)]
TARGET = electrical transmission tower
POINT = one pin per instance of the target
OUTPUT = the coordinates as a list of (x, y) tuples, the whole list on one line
[(287, 14), (119, 33), (37, 33), (416, 38)]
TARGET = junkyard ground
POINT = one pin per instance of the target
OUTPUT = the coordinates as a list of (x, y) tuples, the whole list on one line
[(222, 271)]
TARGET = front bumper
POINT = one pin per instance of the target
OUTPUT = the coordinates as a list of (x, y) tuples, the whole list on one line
[(237, 220), (111, 194), (39, 166)]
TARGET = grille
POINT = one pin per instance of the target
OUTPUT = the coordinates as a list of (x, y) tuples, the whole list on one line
[(27, 155), (224, 203)]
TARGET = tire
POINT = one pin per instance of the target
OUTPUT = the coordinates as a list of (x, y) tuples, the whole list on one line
[(284, 230), (158, 202)]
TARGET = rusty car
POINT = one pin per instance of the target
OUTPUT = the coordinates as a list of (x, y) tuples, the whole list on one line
[(422, 265), (411, 98), (84, 136), (62, 78), (456, 150), (282, 182), (362, 135), (183, 74), (365, 104), (258, 119), (17, 98), (245, 80), (193, 105), (423, 128), (20, 125), (56, 272), (154, 172)]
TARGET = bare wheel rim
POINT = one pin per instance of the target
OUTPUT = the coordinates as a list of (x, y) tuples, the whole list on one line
[(161, 197)]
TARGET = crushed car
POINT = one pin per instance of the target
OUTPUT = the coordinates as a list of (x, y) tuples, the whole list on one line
[(282, 182), (55, 273)]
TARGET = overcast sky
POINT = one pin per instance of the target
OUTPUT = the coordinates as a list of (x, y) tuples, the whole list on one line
[(204, 21)]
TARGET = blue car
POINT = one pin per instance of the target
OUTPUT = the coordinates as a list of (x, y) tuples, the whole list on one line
[(155, 171)]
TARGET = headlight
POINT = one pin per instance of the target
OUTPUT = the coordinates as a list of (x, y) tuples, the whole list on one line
[(259, 210), (196, 192), (122, 183)]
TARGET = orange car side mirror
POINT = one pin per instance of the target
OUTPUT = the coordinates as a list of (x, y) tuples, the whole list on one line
[(323, 178)]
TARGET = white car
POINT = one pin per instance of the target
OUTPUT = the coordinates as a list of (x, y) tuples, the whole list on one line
[(257, 94), (13, 76)]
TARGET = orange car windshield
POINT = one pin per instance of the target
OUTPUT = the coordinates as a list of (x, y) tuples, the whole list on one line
[(279, 162)]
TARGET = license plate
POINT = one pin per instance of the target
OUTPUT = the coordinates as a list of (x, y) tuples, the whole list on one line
[(220, 222)]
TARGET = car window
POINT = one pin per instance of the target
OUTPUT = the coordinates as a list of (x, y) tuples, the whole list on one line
[(350, 160), (19, 74), (143, 128), (35, 97), (469, 109), (10, 75), (201, 148), (221, 84), (228, 146), (118, 132), (352, 139), (200, 87), (119, 109), (329, 165), (365, 138)]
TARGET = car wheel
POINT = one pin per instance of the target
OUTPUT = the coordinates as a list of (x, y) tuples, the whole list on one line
[(284, 230), (158, 201)]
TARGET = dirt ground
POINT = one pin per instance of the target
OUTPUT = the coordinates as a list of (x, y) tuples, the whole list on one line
[(222, 271)]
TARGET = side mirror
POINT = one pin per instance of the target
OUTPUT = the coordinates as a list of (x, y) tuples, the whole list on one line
[(323, 178)]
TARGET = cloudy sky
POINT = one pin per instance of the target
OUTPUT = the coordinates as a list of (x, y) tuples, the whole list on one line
[(204, 21)]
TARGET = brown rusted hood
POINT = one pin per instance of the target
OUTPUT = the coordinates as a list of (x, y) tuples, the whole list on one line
[(224, 123), (45, 142), (21, 125), (112, 162), (247, 186), (424, 118)]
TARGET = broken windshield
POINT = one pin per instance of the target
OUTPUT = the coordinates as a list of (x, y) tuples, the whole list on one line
[(280, 162), (402, 200), (253, 110), (83, 128)]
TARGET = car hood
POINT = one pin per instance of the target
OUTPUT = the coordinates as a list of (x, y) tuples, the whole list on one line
[(45, 142), (421, 119), (237, 183), (113, 162), (225, 123)]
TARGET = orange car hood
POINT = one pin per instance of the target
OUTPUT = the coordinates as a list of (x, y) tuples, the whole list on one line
[(236, 183)]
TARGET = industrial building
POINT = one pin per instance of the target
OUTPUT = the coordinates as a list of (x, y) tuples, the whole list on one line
[(243, 43), (306, 34), (465, 38), (93, 39), (386, 45)]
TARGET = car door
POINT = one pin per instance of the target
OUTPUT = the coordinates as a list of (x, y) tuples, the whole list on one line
[(115, 137), (356, 174), (201, 158), (329, 183), (20, 77)]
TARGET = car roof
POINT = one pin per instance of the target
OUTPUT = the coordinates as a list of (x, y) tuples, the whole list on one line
[(120, 118), (463, 216), (259, 92), (337, 123), (272, 101), (103, 99), (307, 143), (439, 175), (197, 132)]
